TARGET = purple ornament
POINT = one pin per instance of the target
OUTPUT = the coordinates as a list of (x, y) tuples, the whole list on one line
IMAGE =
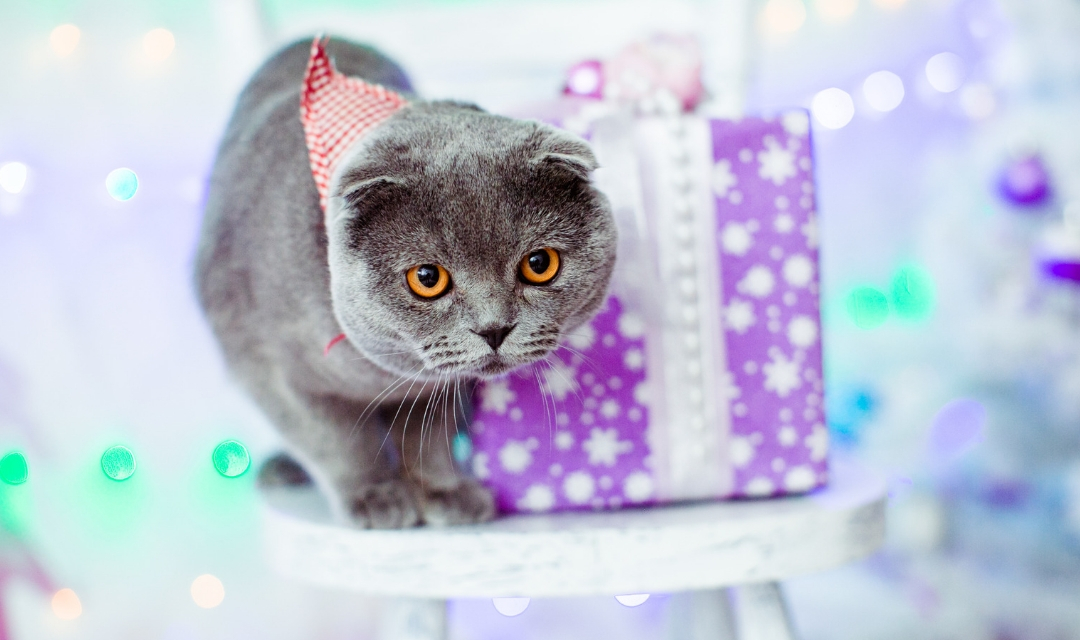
[(585, 79), (1025, 182), (1063, 269)]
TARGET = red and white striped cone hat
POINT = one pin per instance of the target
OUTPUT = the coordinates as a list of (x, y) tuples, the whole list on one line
[(338, 110)]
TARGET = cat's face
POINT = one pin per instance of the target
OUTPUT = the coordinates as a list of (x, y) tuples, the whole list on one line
[(464, 244)]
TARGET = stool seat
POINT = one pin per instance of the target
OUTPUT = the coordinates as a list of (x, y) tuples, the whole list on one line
[(685, 547)]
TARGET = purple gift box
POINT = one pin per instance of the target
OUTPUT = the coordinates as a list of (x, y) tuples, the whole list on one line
[(701, 377)]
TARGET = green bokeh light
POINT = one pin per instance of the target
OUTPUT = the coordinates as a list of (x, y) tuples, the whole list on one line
[(462, 448), (118, 463), (122, 184), (13, 468), (231, 459), (868, 307), (912, 293)]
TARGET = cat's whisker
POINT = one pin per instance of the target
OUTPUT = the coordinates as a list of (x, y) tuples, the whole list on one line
[(547, 417), (571, 384), (586, 359), (446, 423), (397, 413), (390, 388)]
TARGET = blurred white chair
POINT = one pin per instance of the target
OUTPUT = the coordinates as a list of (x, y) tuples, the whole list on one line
[(724, 560)]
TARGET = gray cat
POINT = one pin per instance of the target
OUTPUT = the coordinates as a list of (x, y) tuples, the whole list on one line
[(457, 245)]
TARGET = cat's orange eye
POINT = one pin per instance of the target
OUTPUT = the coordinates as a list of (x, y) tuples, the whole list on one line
[(428, 280), (540, 266)]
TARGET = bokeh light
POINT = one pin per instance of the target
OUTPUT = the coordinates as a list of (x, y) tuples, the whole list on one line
[(64, 39), (836, 10), (207, 591), (122, 184), (883, 90), (1025, 182), (586, 79), (231, 458), (510, 607), (462, 448), (945, 72), (783, 16), (66, 605), (890, 4), (118, 463), (956, 429), (833, 108), (912, 293), (632, 600), (13, 468), (867, 307), (158, 44), (977, 100), (13, 177)]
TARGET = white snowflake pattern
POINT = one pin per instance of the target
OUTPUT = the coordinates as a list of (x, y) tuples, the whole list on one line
[(579, 487), (758, 282), (641, 393), (802, 331), (796, 123), (638, 486), (631, 325), (610, 408), (728, 388), (559, 379), (604, 447), (775, 162), (583, 337), (723, 178), (740, 451), (736, 239), (810, 230), (799, 479), (480, 466), (564, 440), (515, 456), (787, 436), (496, 396), (784, 223), (634, 359), (739, 315), (538, 498), (818, 443), (781, 375), (798, 270), (759, 487)]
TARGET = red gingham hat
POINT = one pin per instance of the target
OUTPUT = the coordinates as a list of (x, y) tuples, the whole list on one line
[(336, 111)]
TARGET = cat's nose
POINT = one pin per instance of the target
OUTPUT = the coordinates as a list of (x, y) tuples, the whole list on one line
[(495, 335)]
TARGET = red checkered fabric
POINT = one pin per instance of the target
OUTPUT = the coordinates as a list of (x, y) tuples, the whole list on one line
[(336, 111)]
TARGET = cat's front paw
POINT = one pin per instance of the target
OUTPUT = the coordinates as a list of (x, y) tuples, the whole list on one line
[(385, 505), (468, 503)]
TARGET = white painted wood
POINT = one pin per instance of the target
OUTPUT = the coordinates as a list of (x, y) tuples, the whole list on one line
[(657, 550), (414, 619), (762, 613), (701, 615)]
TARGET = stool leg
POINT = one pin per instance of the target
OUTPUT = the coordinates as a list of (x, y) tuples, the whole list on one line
[(700, 615), (762, 613), (413, 619)]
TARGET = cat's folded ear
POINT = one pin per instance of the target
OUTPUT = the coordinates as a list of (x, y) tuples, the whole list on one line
[(564, 153), (360, 191)]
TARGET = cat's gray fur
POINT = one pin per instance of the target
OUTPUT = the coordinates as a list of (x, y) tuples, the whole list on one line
[(439, 182)]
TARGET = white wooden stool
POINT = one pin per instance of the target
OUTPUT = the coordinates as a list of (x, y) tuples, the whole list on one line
[(693, 550)]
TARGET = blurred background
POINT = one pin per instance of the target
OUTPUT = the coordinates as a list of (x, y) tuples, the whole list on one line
[(948, 160)]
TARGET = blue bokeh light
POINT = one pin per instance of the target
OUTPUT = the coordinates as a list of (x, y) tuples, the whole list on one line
[(122, 184)]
